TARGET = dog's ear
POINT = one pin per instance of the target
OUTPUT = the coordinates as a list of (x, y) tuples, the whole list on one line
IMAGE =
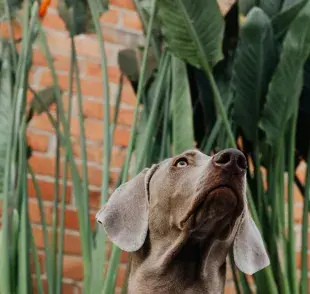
[(125, 216), (249, 251)]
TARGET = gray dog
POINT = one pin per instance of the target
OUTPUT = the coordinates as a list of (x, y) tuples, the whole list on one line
[(180, 218)]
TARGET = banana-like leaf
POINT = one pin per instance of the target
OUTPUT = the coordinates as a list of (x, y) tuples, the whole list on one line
[(286, 84), (246, 5), (254, 64), (182, 113), (193, 30), (270, 7), (282, 21)]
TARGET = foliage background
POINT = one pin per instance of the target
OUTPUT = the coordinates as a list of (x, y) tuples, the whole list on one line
[(84, 90)]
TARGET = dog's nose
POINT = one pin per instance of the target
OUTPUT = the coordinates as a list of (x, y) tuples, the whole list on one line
[(231, 160)]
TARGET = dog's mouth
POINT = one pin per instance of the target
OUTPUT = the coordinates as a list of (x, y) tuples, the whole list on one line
[(212, 207)]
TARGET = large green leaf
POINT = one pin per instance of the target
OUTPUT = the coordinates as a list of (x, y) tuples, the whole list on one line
[(254, 64), (270, 7), (193, 30), (282, 21), (182, 113), (286, 84)]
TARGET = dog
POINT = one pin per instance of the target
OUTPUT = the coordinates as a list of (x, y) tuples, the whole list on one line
[(180, 218)]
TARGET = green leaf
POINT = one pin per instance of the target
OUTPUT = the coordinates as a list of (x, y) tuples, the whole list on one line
[(182, 113), (193, 30), (6, 86), (282, 21), (128, 63), (270, 7), (286, 84), (76, 14), (254, 64), (47, 98), (246, 5)]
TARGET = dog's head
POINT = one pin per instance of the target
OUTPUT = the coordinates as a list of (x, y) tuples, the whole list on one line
[(193, 193)]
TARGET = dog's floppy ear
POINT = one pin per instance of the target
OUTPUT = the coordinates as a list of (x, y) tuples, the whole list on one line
[(249, 251), (125, 216)]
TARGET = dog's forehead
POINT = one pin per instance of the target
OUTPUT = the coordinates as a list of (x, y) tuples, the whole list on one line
[(197, 155)]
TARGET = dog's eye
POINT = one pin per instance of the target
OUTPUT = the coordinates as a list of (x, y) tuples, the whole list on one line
[(182, 162)]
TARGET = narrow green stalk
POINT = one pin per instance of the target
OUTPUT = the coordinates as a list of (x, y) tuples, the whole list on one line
[(115, 250), (303, 285), (109, 284), (291, 236), (164, 142), (216, 128), (218, 103), (244, 283), (125, 285), (158, 96), (258, 176), (54, 240), (146, 23), (75, 175), (84, 183), (107, 135), (64, 186), (141, 85), (233, 270), (11, 32), (44, 229), (24, 273), (36, 262), (117, 105)]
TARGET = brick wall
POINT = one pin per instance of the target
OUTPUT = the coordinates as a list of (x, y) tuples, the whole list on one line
[(122, 29)]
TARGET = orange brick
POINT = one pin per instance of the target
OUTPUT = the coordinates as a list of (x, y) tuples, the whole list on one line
[(87, 47), (53, 20), (46, 166), (301, 171), (94, 131), (298, 214), (66, 287), (95, 154), (72, 243), (71, 216), (298, 198), (41, 258), (95, 109), (121, 275), (94, 199), (42, 122), (230, 288), (111, 16), (73, 268), (92, 88), (46, 79), (38, 142), (94, 70), (128, 95), (128, 4), (47, 190), (298, 259), (5, 30), (132, 20), (61, 62), (59, 42)]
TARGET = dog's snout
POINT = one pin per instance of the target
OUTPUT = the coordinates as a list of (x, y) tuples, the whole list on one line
[(231, 160)]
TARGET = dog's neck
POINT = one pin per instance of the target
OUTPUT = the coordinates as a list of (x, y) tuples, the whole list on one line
[(181, 266)]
